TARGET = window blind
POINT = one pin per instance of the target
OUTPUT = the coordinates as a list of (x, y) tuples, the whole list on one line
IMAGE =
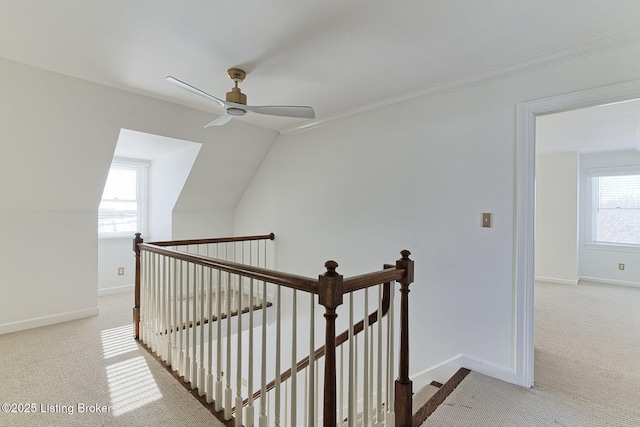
[(616, 207)]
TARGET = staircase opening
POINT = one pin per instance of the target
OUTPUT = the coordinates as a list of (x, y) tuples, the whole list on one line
[(189, 303)]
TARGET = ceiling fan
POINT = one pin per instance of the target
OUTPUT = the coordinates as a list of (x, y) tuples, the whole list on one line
[(236, 102)]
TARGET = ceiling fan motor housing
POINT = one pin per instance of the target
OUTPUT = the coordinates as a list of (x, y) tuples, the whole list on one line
[(237, 96)]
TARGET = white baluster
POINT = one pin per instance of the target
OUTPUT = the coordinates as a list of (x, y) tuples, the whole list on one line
[(391, 417), (151, 301), (228, 393), (312, 354), (317, 394), (286, 411), (351, 408), (369, 390), (201, 371), (306, 397), (249, 408), (187, 330), (276, 418), (181, 322), (166, 327), (144, 288), (210, 343), (218, 405), (156, 301), (269, 405), (194, 330), (176, 322), (294, 358), (365, 376), (355, 379), (239, 356), (380, 378), (152, 304), (341, 387), (263, 419), (162, 336), (166, 314)]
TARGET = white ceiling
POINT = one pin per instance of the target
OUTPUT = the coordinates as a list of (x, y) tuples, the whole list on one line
[(139, 145), (611, 127), (337, 56)]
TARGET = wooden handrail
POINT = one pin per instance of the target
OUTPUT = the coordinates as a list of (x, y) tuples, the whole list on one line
[(389, 274), (330, 287), (288, 280), (138, 245), (214, 240)]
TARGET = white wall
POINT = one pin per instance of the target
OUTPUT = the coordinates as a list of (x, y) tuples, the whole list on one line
[(167, 176), (418, 176), (601, 265), (202, 224), (170, 161), (58, 139), (556, 250), (113, 254)]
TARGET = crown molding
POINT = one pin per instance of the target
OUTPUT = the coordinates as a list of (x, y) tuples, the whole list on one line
[(568, 53)]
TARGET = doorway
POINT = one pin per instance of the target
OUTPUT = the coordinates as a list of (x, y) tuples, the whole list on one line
[(527, 113), (587, 180)]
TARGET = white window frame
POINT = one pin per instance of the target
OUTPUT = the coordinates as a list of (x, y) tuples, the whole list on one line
[(589, 227), (142, 197)]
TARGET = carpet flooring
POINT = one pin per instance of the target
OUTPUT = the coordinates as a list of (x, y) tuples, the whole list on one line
[(587, 366), (587, 343), (90, 372)]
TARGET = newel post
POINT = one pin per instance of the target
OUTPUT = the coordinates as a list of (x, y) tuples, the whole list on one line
[(404, 386), (136, 309), (330, 290)]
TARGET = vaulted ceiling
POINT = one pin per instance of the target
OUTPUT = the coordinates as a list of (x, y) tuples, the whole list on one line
[(341, 57)]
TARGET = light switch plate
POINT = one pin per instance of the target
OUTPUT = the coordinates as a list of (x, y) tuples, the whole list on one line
[(486, 219)]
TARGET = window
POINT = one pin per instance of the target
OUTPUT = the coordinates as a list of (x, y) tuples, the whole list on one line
[(123, 208), (615, 206)]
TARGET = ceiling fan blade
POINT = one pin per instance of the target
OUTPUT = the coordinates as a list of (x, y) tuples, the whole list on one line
[(220, 120), (195, 90), (284, 111)]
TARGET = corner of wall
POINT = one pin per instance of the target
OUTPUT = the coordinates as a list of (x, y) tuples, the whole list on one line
[(445, 370)]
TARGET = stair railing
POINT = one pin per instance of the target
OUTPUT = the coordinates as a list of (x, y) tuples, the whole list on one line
[(195, 307)]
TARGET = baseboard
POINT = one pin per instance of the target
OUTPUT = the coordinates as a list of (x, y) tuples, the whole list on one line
[(489, 368), (555, 280), (587, 279), (446, 369), (36, 322), (116, 290), (609, 281), (440, 372)]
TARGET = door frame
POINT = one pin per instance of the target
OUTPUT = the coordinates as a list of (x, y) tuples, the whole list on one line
[(526, 113)]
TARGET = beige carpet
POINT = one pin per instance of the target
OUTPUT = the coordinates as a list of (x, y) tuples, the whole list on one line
[(481, 401), (587, 371), (587, 343), (59, 371), (587, 367)]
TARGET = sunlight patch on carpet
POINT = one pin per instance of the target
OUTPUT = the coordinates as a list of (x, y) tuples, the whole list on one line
[(117, 341), (131, 385)]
